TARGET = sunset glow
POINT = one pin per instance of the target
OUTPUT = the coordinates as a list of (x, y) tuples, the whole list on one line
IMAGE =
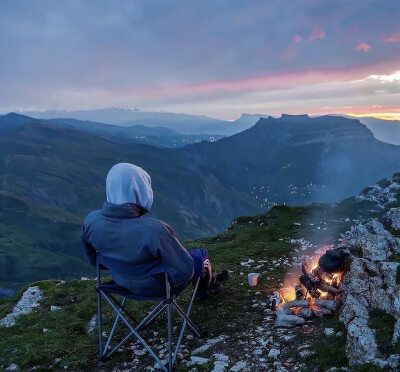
[(178, 58)]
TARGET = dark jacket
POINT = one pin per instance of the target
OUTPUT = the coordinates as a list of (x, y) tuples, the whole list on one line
[(124, 232)]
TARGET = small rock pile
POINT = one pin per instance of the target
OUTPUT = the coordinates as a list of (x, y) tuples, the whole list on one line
[(294, 313)]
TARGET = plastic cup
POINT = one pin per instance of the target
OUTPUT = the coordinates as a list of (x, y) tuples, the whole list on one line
[(253, 279)]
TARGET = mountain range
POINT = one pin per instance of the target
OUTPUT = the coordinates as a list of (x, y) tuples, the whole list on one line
[(53, 174), (383, 130)]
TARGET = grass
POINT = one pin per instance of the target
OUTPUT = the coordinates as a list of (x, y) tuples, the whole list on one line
[(330, 350), (383, 324)]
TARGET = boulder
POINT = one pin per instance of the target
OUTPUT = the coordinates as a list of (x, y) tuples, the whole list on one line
[(360, 345), (376, 243)]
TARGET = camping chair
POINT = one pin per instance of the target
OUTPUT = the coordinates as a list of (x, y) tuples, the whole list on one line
[(166, 303)]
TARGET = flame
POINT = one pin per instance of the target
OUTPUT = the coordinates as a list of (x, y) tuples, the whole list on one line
[(288, 293)]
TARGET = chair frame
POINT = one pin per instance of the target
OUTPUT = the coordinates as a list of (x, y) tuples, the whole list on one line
[(166, 303)]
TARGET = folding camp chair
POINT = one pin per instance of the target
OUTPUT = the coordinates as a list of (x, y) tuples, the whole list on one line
[(166, 303)]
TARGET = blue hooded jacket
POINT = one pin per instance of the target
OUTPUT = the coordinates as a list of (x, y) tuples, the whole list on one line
[(124, 232)]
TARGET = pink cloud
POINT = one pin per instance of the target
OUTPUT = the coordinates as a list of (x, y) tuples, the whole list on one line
[(298, 39), (364, 47), (317, 33), (394, 38), (265, 82), (378, 111)]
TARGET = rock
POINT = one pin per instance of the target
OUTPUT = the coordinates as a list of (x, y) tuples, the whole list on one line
[(273, 353), (360, 345), (396, 333), (92, 324), (55, 308), (12, 367), (317, 312), (306, 313), (327, 304), (393, 218), (257, 352), (201, 349), (306, 353), (296, 303), (196, 361), (375, 242), (287, 321), (394, 361), (329, 331), (238, 367), (220, 366), (25, 305), (221, 357)]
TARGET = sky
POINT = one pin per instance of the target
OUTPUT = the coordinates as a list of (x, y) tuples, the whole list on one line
[(209, 57)]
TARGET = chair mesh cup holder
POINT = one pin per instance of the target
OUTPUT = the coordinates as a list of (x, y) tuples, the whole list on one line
[(108, 290)]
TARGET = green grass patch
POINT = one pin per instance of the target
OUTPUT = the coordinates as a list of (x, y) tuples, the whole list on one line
[(330, 350), (383, 324)]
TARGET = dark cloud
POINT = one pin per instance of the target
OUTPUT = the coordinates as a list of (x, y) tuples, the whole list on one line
[(63, 53)]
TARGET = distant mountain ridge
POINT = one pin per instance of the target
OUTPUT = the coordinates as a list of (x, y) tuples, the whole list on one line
[(384, 130), (156, 136)]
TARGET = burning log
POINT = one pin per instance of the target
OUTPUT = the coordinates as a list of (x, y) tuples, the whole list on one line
[(274, 301), (314, 284), (300, 295)]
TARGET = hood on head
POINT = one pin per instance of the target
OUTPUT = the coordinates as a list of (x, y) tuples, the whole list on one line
[(127, 183)]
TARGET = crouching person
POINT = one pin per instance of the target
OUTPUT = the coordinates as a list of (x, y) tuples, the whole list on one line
[(122, 231)]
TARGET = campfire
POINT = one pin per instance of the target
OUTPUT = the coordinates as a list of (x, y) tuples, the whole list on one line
[(316, 293)]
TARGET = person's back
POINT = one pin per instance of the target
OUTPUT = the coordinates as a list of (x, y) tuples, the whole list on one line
[(122, 231)]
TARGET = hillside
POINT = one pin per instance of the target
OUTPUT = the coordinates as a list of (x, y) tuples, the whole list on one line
[(155, 136), (237, 319), (52, 176), (184, 123)]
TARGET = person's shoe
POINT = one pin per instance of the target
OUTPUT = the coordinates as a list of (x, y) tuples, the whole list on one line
[(220, 279), (201, 293)]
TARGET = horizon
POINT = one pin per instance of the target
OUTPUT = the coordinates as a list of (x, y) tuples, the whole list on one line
[(215, 59), (277, 116)]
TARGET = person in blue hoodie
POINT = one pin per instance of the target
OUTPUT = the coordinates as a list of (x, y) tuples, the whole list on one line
[(123, 232)]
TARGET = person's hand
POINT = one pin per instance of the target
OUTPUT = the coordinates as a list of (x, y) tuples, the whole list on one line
[(168, 227)]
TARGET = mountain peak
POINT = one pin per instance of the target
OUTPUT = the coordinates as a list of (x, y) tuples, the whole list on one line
[(290, 116)]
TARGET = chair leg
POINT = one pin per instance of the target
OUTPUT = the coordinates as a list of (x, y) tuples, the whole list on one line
[(113, 327), (151, 316), (178, 344), (191, 325), (169, 337), (99, 324), (136, 334)]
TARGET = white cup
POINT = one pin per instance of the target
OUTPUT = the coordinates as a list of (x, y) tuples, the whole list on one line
[(253, 279)]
